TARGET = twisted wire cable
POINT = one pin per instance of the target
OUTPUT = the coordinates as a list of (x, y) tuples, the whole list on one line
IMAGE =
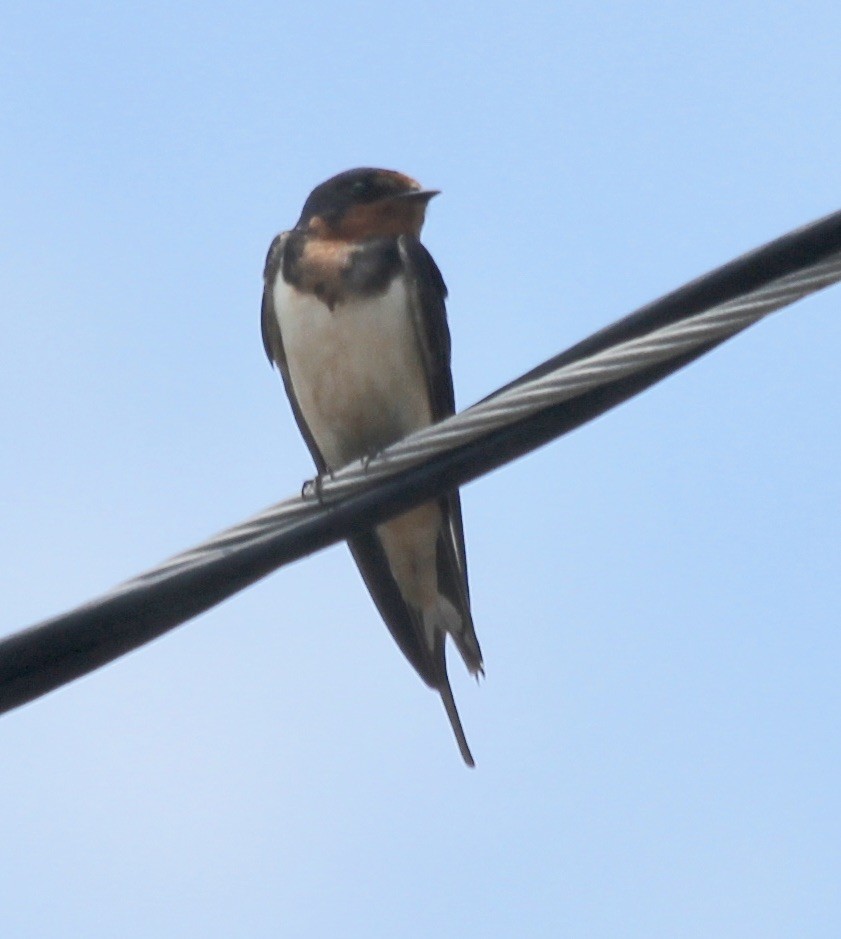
[(563, 393), (508, 407)]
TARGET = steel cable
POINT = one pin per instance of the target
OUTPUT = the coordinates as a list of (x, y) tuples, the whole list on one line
[(561, 394)]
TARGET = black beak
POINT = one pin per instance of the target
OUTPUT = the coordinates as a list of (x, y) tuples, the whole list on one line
[(422, 195)]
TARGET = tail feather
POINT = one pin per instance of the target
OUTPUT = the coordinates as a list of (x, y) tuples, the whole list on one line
[(445, 617), (446, 693)]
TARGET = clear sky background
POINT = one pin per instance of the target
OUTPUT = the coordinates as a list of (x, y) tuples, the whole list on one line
[(657, 595)]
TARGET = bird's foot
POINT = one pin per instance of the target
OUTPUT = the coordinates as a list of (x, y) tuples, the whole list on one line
[(368, 457), (314, 488)]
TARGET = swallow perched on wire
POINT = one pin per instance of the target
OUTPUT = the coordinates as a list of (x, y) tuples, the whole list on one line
[(354, 318)]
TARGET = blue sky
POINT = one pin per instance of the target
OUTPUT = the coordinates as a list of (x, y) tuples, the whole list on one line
[(657, 595)]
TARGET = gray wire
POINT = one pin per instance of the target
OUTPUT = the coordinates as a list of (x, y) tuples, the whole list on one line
[(529, 397)]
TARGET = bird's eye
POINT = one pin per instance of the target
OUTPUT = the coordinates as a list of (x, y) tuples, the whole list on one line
[(361, 187)]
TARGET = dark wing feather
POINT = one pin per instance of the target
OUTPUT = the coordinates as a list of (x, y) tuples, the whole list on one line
[(430, 316), (427, 295), (402, 623), (273, 341)]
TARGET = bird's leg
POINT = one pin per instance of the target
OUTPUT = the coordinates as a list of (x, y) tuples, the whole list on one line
[(367, 457), (314, 488)]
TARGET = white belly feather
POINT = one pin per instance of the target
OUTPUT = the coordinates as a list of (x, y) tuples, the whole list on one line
[(356, 370)]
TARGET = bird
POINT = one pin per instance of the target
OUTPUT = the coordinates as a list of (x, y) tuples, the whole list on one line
[(354, 318)]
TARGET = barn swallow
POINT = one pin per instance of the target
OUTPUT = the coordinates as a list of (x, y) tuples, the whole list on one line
[(354, 318)]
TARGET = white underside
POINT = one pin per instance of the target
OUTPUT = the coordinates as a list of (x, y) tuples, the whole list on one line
[(359, 381), (356, 369)]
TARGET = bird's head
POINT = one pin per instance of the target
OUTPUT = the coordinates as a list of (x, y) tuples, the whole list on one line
[(365, 203)]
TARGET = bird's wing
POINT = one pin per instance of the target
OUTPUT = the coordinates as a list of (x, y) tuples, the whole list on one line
[(273, 341), (427, 294)]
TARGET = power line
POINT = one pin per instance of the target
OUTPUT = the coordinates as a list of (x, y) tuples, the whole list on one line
[(561, 394)]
